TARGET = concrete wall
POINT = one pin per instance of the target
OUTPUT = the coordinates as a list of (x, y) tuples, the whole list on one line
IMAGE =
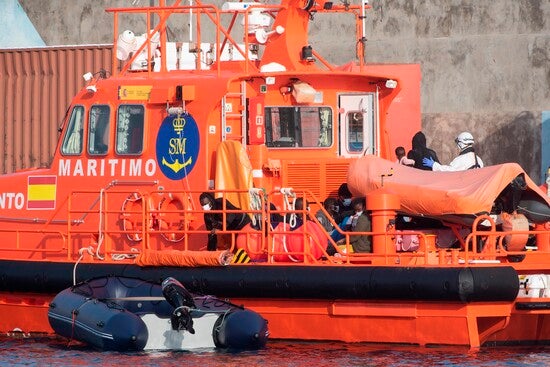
[(485, 67), (485, 63)]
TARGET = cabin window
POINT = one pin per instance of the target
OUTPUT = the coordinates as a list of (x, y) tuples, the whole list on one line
[(72, 142), (305, 127), (355, 132), (98, 134), (129, 132)]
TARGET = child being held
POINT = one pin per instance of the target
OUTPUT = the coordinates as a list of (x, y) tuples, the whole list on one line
[(402, 158)]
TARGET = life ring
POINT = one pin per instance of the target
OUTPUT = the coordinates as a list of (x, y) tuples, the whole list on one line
[(132, 217), (173, 217)]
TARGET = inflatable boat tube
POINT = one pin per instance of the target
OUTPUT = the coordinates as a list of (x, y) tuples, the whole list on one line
[(130, 314)]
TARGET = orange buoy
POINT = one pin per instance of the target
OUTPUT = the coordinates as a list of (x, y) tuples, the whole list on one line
[(309, 237), (280, 244), (250, 240)]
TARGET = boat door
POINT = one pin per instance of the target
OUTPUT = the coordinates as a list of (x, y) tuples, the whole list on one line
[(356, 124)]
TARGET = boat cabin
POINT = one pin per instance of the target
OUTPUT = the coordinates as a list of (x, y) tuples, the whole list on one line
[(231, 99)]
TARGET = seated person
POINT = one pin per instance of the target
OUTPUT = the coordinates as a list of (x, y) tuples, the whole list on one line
[(360, 222), (344, 203), (214, 221), (343, 217), (331, 207)]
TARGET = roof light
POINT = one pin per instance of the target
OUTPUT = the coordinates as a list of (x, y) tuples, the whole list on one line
[(391, 84)]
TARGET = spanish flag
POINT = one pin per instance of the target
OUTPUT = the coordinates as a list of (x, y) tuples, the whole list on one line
[(41, 192)]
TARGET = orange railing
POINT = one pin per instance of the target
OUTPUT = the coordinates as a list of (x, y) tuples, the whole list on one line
[(168, 18), (194, 12), (111, 224)]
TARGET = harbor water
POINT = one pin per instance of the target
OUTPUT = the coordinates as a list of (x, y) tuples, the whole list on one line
[(51, 351)]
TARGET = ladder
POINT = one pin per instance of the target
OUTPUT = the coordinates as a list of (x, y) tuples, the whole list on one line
[(234, 115)]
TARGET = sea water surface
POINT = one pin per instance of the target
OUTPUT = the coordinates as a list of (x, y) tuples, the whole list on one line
[(52, 351)]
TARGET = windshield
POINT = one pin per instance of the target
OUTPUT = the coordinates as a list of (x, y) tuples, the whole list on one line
[(298, 126)]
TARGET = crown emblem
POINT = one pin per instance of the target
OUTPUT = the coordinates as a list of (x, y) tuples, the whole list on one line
[(179, 124)]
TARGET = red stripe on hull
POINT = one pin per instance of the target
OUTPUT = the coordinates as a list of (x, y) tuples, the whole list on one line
[(41, 204), (42, 180)]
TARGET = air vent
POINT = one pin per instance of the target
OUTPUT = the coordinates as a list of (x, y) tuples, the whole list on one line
[(322, 179)]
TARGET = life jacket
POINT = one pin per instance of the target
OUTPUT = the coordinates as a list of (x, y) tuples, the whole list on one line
[(468, 150)]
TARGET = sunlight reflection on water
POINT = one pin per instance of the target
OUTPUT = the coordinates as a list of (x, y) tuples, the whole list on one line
[(58, 352)]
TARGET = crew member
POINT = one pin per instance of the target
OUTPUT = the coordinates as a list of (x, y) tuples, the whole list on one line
[(466, 159)]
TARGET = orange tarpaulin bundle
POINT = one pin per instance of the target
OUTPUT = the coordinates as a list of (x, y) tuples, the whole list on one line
[(233, 172), (184, 258), (437, 193)]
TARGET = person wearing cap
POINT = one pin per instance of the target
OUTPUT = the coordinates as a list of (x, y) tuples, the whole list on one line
[(466, 159)]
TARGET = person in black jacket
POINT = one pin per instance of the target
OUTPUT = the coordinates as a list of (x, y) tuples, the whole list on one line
[(214, 221), (344, 207), (420, 151)]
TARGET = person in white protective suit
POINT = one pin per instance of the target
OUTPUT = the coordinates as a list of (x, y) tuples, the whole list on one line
[(466, 159)]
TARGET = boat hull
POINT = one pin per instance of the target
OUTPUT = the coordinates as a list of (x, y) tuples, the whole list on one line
[(449, 306), (465, 284)]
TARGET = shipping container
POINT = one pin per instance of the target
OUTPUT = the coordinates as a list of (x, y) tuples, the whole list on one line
[(36, 87)]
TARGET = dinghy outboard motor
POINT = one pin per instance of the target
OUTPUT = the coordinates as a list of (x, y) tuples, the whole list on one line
[(180, 298)]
